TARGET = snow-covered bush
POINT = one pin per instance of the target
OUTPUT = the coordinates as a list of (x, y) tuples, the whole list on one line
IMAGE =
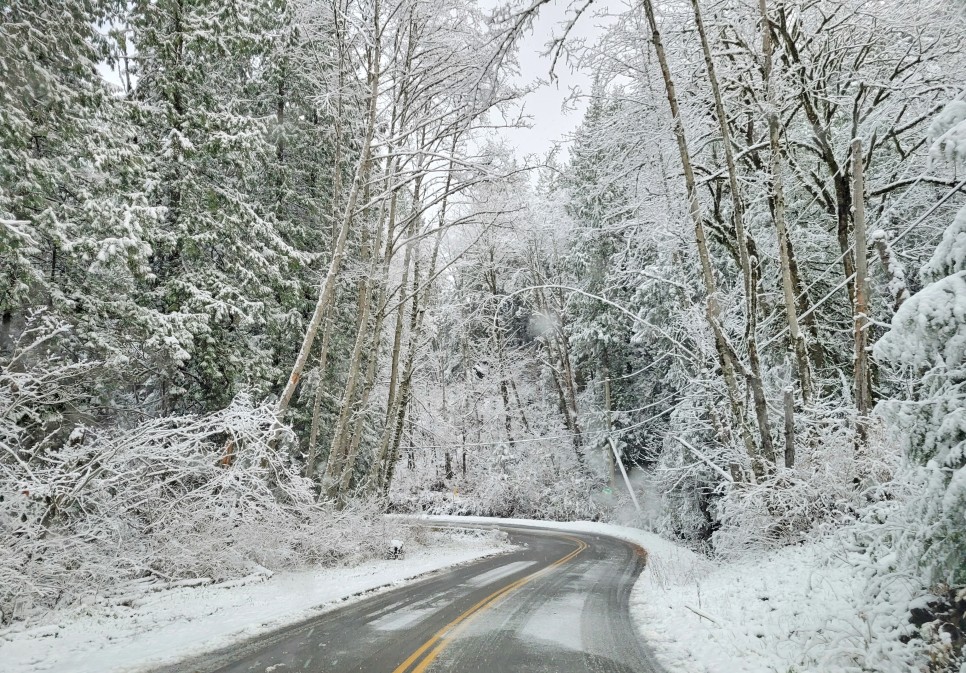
[(212, 497), (688, 489), (829, 486), (830, 483), (503, 484), (926, 347)]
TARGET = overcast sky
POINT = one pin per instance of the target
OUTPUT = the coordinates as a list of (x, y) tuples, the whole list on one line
[(549, 122)]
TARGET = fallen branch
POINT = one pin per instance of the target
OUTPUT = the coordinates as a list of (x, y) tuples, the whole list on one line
[(702, 614)]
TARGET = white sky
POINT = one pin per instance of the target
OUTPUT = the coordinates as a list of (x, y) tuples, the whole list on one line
[(549, 121)]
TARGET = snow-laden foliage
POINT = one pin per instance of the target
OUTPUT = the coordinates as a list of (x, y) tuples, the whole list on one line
[(830, 486), (215, 496), (948, 259), (520, 482), (927, 347), (822, 605), (948, 133)]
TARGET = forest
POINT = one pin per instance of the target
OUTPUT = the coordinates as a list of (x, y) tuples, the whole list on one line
[(269, 270)]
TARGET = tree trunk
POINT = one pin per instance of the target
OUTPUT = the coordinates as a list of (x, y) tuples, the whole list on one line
[(347, 438), (394, 403), (327, 290), (608, 420), (741, 235), (778, 205), (386, 460), (516, 399), (863, 397), (355, 438), (571, 390), (340, 462), (504, 388), (313, 455), (337, 448), (789, 399), (388, 455)]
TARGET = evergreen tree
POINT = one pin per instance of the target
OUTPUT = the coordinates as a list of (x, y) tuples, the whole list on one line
[(48, 101), (927, 347), (74, 220), (222, 271)]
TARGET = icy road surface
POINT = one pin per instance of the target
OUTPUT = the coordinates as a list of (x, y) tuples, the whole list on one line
[(558, 604)]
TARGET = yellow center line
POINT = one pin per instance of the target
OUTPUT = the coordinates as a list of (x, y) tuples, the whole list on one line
[(442, 637)]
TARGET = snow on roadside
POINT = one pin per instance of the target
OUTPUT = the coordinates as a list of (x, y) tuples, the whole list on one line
[(795, 610), (163, 628), (815, 607)]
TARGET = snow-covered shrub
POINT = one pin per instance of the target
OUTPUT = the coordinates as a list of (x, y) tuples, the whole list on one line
[(711, 500), (522, 484), (689, 489), (206, 497), (830, 485), (533, 487), (887, 626)]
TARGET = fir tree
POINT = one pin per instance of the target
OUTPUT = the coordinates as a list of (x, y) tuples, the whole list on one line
[(219, 262)]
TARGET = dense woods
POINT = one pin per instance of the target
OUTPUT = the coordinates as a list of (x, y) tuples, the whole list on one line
[(267, 269)]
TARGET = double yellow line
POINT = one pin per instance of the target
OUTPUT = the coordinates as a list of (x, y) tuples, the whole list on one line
[(445, 635)]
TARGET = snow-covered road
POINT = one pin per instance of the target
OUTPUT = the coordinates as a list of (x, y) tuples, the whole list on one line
[(559, 603)]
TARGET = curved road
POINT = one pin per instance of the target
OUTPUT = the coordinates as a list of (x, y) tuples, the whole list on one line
[(558, 604)]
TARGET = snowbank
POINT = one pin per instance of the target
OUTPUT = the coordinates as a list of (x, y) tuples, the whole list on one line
[(788, 611), (162, 628), (797, 609)]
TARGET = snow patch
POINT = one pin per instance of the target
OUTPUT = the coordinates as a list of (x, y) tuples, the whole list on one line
[(559, 622), (492, 576)]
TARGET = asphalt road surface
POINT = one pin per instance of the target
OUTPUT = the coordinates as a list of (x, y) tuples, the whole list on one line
[(558, 604)]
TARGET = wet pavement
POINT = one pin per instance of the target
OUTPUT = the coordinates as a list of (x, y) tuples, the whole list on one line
[(558, 604)]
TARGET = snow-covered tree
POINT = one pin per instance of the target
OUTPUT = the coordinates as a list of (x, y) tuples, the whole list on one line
[(221, 269), (927, 348)]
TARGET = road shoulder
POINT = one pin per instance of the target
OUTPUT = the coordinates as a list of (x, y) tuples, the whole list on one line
[(148, 631)]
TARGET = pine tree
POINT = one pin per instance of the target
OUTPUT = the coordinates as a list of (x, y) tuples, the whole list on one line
[(222, 270), (73, 218), (927, 346), (48, 101)]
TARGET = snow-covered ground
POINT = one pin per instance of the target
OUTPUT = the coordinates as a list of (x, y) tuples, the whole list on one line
[(162, 628), (796, 610), (793, 610)]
